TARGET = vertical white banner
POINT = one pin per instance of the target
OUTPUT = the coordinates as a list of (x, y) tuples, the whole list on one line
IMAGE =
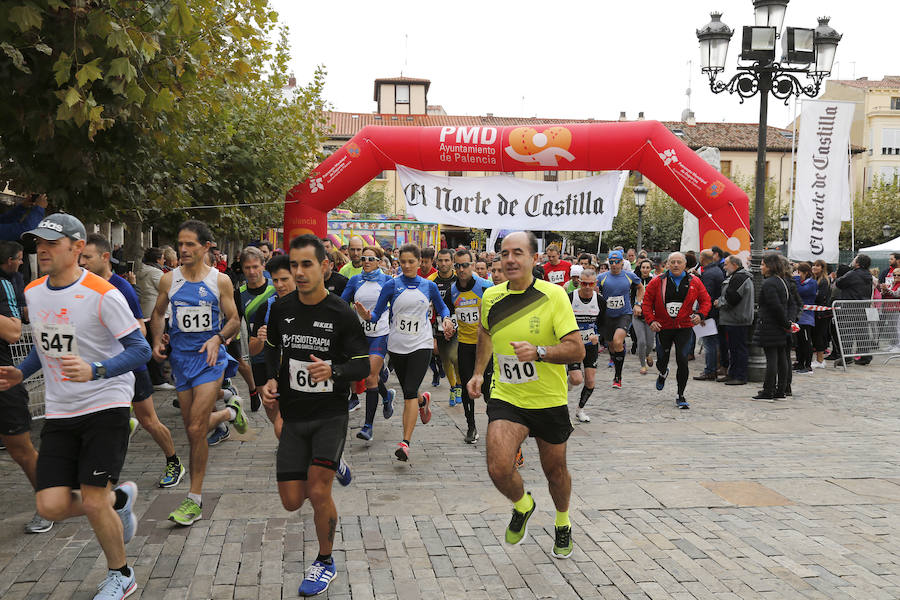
[(822, 188)]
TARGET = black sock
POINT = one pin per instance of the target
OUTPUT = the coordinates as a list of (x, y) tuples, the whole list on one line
[(121, 500), (619, 362), (585, 394), (382, 390), (325, 558), (123, 570), (371, 405), (406, 442), (172, 459)]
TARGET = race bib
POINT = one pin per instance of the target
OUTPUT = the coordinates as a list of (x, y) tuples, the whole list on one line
[(57, 339), (514, 371), (615, 302), (300, 381), (586, 335), (192, 319), (409, 325), (673, 308), (468, 315), (368, 326), (556, 276)]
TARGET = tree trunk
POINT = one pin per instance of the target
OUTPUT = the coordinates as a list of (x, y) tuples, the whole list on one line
[(134, 239)]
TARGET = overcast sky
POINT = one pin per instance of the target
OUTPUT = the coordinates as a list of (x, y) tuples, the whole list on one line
[(561, 59)]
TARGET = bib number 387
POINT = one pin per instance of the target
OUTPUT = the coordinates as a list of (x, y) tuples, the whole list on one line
[(512, 370), (301, 381), (57, 340)]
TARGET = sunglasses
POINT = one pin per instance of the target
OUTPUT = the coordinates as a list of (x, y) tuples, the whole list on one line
[(370, 259), (464, 265), (614, 262), (588, 283)]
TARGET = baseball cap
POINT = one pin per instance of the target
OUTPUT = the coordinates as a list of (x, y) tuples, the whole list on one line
[(56, 226), (616, 254), (576, 270)]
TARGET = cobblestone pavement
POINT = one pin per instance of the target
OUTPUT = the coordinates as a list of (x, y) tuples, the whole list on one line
[(732, 499)]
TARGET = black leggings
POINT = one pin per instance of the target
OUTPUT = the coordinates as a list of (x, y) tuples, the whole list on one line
[(821, 334), (411, 369), (778, 367), (683, 340), (466, 354), (804, 346)]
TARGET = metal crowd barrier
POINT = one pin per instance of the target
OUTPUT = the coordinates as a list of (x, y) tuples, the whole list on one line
[(34, 385), (868, 328)]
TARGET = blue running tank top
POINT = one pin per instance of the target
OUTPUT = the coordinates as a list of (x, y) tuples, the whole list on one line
[(196, 316)]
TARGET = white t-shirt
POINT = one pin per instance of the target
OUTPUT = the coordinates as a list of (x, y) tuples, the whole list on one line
[(86, 318)]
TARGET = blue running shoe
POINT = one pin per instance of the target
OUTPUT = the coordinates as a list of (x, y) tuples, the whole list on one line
[(317, 578), (343, 473), (384, 374), (126, 513), (388, 408), (353, 404), (116, 586), (219, 435), (435, 380), (661, 380), (365, 433), (459, 394), (453, 396), (681, 403)]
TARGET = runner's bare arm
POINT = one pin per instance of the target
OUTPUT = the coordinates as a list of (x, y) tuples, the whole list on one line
[(483, 353), (229, 308), (570, 349), (158, 317)]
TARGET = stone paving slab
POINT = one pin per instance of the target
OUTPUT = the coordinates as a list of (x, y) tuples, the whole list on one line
[(733, 499)]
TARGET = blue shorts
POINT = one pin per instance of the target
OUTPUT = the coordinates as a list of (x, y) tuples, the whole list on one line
[(190, 369), (378, 345)]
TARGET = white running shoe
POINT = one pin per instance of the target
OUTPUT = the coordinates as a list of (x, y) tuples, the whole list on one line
[(582, 416)]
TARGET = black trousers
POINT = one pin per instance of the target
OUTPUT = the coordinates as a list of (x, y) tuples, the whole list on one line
[(778, 367), (466, 356), (684, 345)]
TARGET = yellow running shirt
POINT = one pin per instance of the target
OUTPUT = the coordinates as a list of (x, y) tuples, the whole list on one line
[(541, 315)]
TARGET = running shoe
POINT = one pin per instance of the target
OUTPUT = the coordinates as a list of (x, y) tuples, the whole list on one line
[(452, 401), (617, 383), (173, 474), (649, 361), (610, 364), (176, 403), (38, 524), (582, 416), (126, 513), (353, 404), (239, 420), (384, 374), (116, 586), (520, 458), (681, 403), (255, 401), (562, 542), (317, 578), (518, 524), (388, 409), (661, 380), (402, 452), (187, 513), (471, 435), (365, 433), (425, 408), (343, 473), (218, 435), (165, 386), (643, 370), (132, 427), (459, 394)]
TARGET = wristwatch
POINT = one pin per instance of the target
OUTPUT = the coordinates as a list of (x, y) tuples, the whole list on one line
[(99, 370), (541, 352)]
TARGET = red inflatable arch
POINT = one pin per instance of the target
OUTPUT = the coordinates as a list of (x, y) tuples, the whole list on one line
[(645, 146)]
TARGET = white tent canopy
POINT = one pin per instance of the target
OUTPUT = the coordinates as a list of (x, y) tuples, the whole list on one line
[(891, 246)]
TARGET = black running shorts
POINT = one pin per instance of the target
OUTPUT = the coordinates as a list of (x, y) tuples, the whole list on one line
[(549, 424), (319, 443)]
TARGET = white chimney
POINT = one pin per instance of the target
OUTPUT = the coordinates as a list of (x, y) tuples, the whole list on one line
[(622, 116)]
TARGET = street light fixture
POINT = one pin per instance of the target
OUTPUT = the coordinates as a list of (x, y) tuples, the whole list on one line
[(640, 199), (785, 223), (764, 76), (886, 230)]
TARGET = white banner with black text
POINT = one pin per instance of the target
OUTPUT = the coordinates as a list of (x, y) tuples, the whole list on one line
[(822, 186), (503, 201)]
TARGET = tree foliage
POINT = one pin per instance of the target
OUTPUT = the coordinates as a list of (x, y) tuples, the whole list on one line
[(134, 109), (366, 200), (879, 206)]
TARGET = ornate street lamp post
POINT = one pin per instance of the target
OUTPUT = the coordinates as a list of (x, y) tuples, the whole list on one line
[(807, 52), (640, 199)]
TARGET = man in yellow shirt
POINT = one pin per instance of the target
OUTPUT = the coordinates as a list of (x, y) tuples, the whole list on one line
[(528, 329)]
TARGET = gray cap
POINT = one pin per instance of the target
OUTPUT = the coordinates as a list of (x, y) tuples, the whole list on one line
[(58, 225)]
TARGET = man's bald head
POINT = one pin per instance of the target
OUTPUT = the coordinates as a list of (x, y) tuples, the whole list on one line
[(706, 257), (356, 242), (522, 238)]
